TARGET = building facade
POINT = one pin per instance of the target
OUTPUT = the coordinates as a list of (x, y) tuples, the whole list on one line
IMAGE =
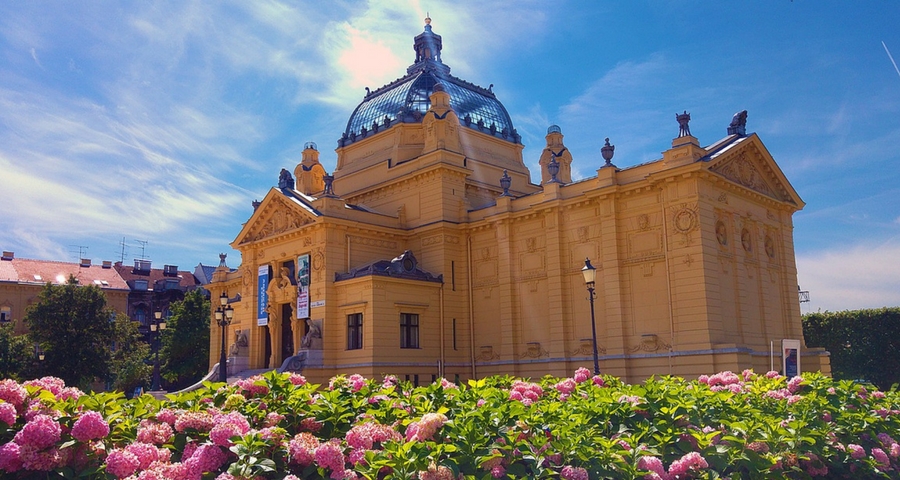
[(153, 289), (429, 252), (22, 279)]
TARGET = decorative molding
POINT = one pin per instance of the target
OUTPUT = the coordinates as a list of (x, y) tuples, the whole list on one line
[(372, 242), (650, 343), (587, 348), (535, 350)]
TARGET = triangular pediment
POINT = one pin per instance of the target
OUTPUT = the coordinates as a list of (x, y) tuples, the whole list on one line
[(276, 214), (751, 166)]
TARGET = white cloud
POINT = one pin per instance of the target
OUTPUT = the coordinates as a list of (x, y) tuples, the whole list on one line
[(854, 277)]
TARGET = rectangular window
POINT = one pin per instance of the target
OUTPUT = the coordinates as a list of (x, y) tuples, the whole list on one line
[(409, 330), (354, 331)]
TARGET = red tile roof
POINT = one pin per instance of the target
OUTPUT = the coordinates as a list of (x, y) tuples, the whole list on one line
[(24, 270), (127, 272)]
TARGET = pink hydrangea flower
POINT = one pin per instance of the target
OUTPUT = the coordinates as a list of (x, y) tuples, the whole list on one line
[(53, 385), (167, 415), (654, 465), (10, 460), (40, 432), (573, 473), (200, 421), (366, 435), (772, 374), (8, 413), (598, 380), (206, 458), (297, 379), (12, 392), (581, 375), (425, 428), (881, 458), (794, 384), (689, 462), (122, 463), (90, 426), (253, 386), (566, 386), (497, 471), (330, 455), (153, 432), (856, 451), (227, 426), (310, 424), (302, 448)]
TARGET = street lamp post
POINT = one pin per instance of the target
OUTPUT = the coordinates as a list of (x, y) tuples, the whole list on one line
[(590, 276), (156, 328), (224, 314)]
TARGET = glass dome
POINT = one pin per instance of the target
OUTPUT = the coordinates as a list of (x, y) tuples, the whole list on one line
[(406, 99)]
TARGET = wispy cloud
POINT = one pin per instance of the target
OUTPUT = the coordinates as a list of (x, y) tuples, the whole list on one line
[(851, 277)]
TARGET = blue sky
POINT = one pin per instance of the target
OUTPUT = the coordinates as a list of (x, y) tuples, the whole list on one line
[(162, 122)]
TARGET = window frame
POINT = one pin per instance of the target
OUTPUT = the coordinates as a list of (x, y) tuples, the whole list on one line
[(409, 330), (355, 331)]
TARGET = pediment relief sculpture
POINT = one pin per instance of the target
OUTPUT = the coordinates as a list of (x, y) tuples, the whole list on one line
[(744, 171), (280, 220)]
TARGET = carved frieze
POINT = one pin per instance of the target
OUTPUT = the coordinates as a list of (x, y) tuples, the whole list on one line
[(280, 219), (373, 242)]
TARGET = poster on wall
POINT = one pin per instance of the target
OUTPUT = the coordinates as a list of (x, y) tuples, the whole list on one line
[(791, 358), (262, 284), (303, 286)]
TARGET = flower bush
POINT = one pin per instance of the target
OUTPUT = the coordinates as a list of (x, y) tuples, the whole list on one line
[(273, 426)]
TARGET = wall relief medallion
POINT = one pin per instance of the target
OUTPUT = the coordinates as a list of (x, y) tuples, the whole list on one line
[(685, 220), (746, 240), (721, 233), (769, 246)]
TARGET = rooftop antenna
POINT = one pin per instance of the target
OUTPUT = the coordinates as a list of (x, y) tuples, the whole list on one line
[(82, 250), (122, 256), (143, 248)]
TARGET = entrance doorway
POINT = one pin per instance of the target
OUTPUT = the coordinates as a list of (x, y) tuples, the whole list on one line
[(287, 335)]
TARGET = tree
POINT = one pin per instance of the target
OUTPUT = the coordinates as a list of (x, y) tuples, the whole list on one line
[(128, 365), (16, 354), (185, 349), (74, 326)]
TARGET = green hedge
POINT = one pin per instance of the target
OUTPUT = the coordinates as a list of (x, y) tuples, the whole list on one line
[(864, 344)]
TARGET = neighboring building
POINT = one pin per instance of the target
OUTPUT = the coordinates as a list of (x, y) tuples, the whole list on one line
[(429, 251), (22, 279), (153, 289)]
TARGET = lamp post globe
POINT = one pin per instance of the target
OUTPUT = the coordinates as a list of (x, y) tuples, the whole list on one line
[(590, 277)]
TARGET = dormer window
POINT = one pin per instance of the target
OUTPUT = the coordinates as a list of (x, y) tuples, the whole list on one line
[(142, 285)]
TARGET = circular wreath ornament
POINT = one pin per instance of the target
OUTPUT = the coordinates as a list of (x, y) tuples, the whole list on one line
[(685, 220)]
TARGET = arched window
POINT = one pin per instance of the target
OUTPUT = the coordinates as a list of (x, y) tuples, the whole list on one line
[(140, 315)]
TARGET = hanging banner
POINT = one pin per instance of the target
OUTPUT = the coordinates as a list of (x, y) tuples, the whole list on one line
[(262, 316), (303, 286)]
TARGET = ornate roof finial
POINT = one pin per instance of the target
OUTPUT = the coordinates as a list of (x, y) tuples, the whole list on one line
[(553, 169), (505, 182), (222, 260), (607, 151), (683, 119), (427, 18)]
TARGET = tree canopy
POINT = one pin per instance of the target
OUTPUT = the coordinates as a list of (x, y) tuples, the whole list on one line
[(75, 327), (185, 348)]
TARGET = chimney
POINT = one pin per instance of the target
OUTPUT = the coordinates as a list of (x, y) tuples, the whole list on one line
[(85, 263), (107, 264), (7, 255)]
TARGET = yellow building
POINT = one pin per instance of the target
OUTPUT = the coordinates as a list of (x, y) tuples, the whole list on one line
[(22, 279), (429, 252)]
